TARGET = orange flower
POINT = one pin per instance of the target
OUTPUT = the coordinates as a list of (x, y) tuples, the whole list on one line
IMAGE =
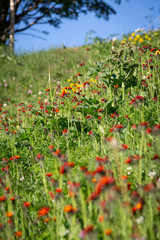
[(46, 220), (101, 218), (43, 211), (12, 199), (94, 180), (67, 208), (18, 234), (2, 198), (71, 194), (108, 231), (9, 214), (139, 206)]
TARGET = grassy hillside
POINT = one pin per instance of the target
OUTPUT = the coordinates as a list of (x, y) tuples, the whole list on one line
[(79, 141)]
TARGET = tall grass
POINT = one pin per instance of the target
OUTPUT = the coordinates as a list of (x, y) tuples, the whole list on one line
[(80, 142)]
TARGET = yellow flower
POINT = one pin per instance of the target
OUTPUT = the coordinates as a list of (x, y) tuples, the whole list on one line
[(157, 52), (69, 80), (132, 35), (91, 80), (141, 40)]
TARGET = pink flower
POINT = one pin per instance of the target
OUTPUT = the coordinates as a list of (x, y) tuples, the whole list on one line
[(29, 91)]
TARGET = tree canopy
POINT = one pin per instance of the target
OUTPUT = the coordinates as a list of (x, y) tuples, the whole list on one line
[(31, 12)]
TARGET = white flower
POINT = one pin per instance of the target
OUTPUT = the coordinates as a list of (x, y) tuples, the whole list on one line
[(152, 174), (129, 168), (45, 100), (129, 172), (21, 179), (5, 105), (140, 220), (40, 93)]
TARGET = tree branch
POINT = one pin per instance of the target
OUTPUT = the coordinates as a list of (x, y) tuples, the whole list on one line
[(31, 24), (24, 12)]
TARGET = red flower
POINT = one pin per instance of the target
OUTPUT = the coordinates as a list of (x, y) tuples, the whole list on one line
[(18, 234), (26, 204), (39, 157), (59, 190), (65, 132), (57, 152), (124, 147), (156, 157), (136, 100), (91, 133), (49, 174), (65, 167), (103, 182), (51, 148), (102, 160), (43, 211)]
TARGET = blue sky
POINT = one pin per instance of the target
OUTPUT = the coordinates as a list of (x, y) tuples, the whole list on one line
[(130, 16)]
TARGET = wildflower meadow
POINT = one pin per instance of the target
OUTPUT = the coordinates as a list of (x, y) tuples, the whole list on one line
[(79, 141)]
